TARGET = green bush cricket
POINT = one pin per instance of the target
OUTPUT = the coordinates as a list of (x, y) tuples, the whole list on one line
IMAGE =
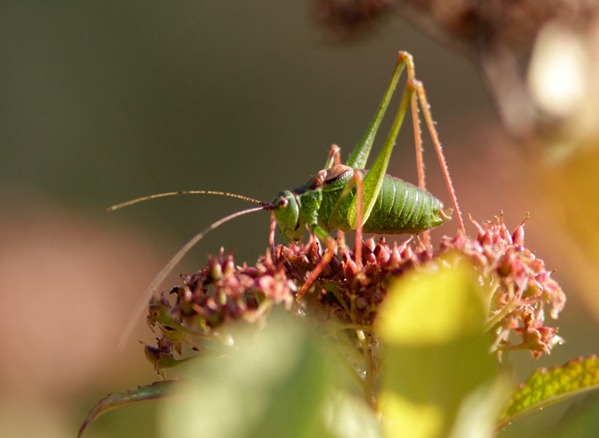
[(345, 196)]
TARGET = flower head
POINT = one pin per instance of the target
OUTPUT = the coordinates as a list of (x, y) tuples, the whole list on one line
[(351, 291)]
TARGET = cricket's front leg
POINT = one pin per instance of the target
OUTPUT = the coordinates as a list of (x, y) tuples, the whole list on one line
[(330, 242), (325, 260)]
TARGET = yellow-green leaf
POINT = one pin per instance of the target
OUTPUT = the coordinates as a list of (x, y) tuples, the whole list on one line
[(548, 386), (439, 378)]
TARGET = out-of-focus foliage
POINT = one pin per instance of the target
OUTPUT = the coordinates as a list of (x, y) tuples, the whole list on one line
[(571, 188), (439, 379), (283, 382)]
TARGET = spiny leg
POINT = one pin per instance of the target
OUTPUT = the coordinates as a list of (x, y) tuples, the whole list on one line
[(271, 234), (359, 181), (419, 96), (417, 133), (411, 72), (334, 157), (439, 149), (426, 235), (325, 260), (418, 143)]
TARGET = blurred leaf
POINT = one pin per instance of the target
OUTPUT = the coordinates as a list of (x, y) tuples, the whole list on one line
[(571, 188), (439, 379), (350, 417), (546, 387), (278, 383), (140, 394)]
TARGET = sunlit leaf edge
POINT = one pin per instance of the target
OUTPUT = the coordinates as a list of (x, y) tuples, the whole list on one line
[(549, 386)]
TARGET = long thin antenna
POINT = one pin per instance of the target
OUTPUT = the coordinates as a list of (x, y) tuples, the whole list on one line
[(153, 288), (185, 249), (186, 192)]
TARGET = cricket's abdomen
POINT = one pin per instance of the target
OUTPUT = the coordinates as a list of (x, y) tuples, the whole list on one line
[(402, 207)]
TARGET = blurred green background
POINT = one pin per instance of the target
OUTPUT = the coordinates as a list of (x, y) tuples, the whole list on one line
[(102, 102)]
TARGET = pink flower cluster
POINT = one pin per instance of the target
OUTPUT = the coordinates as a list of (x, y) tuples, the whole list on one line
[(521, 286), (518, 285)]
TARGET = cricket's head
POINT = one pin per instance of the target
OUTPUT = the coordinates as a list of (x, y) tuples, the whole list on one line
[(287, 214)]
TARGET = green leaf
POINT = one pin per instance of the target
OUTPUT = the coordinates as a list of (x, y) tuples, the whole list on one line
[(548, 386), (140, 394), (439, 378)]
